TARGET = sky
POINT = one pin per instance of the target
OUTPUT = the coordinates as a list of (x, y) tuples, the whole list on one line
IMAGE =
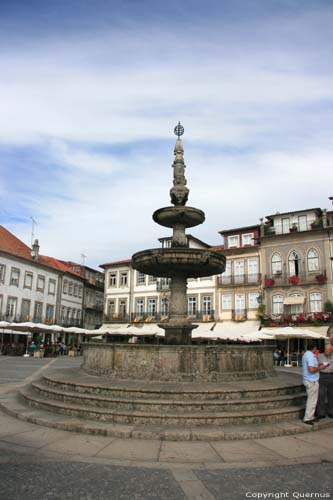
[(90, 92)]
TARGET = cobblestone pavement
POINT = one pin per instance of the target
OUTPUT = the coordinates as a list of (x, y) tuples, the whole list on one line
[(44, 464)]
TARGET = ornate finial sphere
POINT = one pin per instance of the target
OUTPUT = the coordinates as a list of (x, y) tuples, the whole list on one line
[(179, 129)]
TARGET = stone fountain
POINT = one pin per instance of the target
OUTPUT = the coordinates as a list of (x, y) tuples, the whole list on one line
[(177, 359), (178, 262), (176, 390)]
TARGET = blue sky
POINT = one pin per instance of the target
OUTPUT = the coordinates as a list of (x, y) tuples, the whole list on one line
[(90, 92)]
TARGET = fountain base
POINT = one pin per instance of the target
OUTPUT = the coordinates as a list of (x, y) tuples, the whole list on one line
[(178, 363)]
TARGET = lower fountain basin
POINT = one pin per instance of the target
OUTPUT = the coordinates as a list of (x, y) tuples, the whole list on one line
[(171, 262), (187, 216), (178, 363)]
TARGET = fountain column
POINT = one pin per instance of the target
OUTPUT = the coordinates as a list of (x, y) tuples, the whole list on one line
[(178, 262)]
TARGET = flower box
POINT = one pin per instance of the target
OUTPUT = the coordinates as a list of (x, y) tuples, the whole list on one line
[(294, 280), (321, 278), (269, 282)]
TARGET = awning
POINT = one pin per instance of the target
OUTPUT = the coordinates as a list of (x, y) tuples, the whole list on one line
[(290, 301)]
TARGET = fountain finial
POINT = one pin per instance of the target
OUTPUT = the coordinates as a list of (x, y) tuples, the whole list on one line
[(179, 129), (179, 192)]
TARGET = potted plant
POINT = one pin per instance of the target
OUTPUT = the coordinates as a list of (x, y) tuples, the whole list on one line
[(269, 282), (321, 278), (294, 280)]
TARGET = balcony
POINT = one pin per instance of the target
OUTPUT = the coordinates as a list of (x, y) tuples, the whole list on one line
[(284, 279), (237, 280), (239, 314), (163, 284), (146, 317)]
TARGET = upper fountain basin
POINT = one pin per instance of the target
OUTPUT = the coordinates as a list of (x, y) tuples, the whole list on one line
[(179, 261), (171, 216)]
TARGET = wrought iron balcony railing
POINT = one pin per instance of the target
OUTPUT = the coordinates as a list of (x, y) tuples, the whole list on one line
[(239, 314), (242, 279), (285, 279)]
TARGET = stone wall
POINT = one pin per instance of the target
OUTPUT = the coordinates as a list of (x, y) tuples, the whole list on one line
[(178, 363)]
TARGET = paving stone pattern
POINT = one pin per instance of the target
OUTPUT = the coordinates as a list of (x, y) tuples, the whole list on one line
[(238, 484), (74, 481)]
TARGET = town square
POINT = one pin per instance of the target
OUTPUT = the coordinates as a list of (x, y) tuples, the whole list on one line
[(166, 332)]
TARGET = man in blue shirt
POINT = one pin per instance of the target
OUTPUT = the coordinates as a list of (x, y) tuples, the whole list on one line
[(311, 370)]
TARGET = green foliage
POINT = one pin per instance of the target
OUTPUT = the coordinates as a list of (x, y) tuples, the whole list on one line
[(328, 307)]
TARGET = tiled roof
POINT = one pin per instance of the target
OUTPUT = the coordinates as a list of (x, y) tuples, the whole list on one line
[(12, 245), (117, 263), (217, 248)]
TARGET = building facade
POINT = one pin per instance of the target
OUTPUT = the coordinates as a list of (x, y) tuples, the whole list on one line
[(297, 263), (38, 288), (283, 265)]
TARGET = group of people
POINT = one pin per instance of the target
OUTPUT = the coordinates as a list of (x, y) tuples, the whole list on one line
[(318, 381)]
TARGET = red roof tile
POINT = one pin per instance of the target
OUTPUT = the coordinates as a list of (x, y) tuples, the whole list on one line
[(12, 245)]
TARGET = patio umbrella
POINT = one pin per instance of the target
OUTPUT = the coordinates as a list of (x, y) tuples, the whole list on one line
[(289, 332)]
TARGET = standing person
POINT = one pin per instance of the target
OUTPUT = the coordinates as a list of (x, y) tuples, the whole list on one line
[(326, 383), (311, 369)]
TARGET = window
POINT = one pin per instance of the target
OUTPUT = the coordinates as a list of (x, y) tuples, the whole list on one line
[(122, 307), (233, 241), (123, 279), (192, 306), (285, 225), (2, 273), (152, 306), (252, 269), (49, 313), (139, 306), (239, 303), (140, 278), (38, 309), (25, 310), (63, 313), (111, 307), (298, 307), (239, 271), (1, 302), (226, 301), (28, 279), (277, 304), (52, 287), (313, 260), (70, 288), (247, 239), (11, 307), (164, 307), (76, 290), (226, 276), (40, 283), (294, 264), (15, 276), (65, 287), (315, 302), (167, 243), (152, 279), (112, 279), (302, 223), (80, 291), (253, 300), (276, 264), (207, 305)]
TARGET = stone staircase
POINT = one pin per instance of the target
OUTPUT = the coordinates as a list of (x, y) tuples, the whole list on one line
[(73, 400)]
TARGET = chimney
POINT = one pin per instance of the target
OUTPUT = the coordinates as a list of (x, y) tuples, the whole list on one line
[(35, 250)]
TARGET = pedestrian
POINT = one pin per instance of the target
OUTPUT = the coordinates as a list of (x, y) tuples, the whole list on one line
[(326, 384), (311, 369)]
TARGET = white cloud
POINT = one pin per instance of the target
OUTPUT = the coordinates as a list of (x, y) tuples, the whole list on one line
[(257, 120)]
